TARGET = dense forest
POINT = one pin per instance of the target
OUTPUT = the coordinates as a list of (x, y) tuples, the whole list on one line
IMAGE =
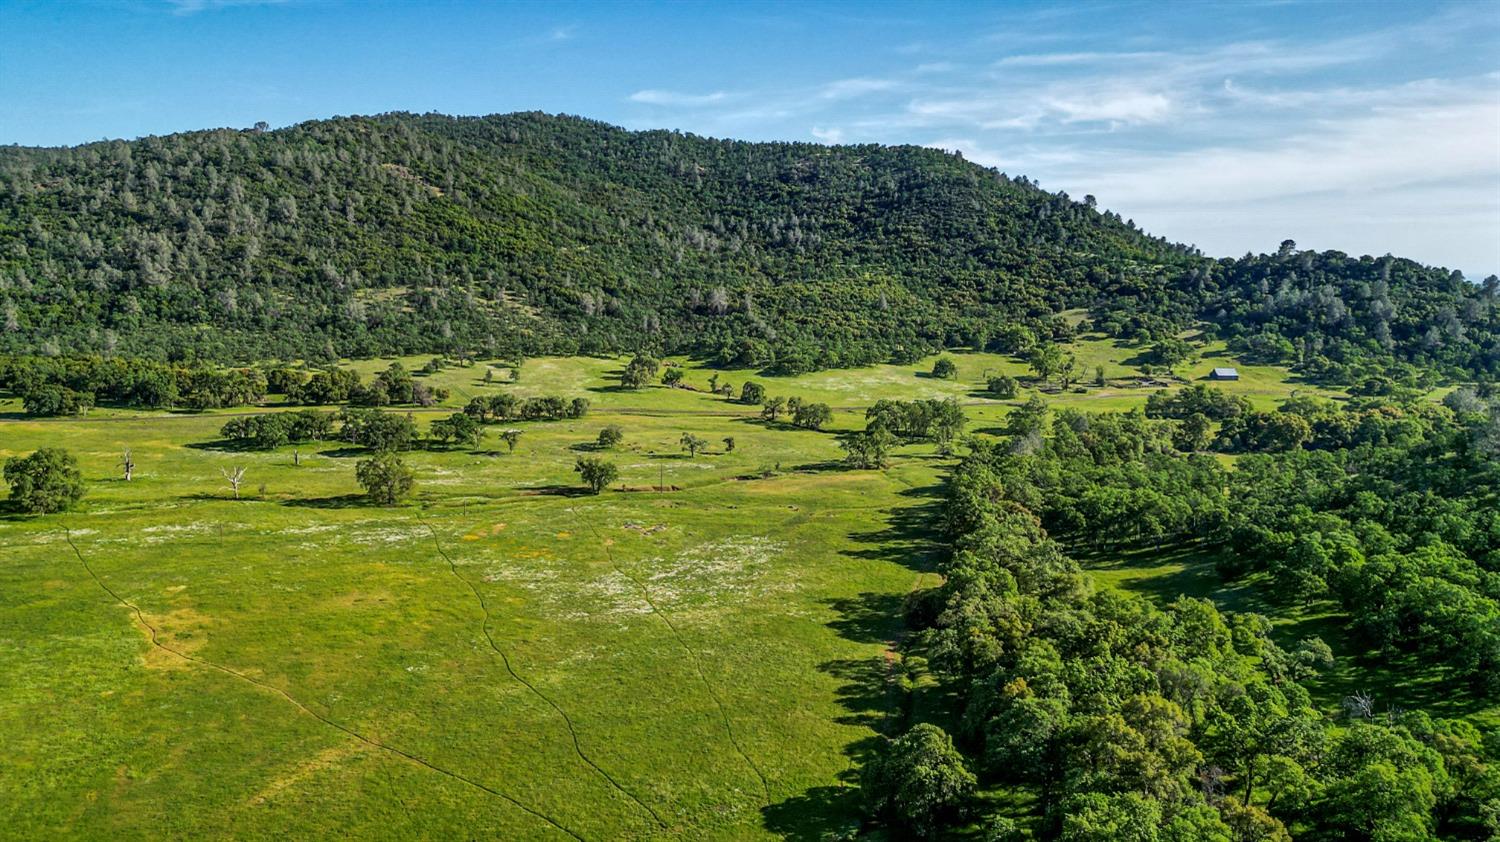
[(529, 233), (1126, 720)]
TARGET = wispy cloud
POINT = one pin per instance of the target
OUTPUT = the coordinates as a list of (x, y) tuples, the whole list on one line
[(849, 88), (1215, 141), (829, 135), (1053, 59), (653, 96)]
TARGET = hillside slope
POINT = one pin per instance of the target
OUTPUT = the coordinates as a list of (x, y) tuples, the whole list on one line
[(535, 233)]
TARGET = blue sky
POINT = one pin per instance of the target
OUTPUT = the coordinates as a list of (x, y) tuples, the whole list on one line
[(1368, 127)]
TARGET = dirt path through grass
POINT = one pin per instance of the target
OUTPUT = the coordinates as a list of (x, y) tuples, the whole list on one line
[(505, 659), (681, 641), (153, 635)]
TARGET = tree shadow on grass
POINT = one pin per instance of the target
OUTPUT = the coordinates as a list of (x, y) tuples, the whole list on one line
[(823, 812), (223, 446), (338, 501), (559, 490), (824, 467), (909, 538), (869, 617)]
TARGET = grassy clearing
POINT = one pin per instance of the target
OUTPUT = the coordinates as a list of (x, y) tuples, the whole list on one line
[(705, 663)]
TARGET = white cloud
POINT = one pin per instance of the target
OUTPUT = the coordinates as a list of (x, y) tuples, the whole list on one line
[(849, 88), (1121, 106), (659, 97), (829, 135), (1388, 148), (1415, 179)]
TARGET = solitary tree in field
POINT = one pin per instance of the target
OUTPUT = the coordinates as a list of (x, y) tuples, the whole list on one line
[(729, 444), (692, 444), (752, 393), (127, 464), (44, 482), (672, 376), (1003, 387), (510, 437), (384, 477), (596, 473), (234, 476), (945, 368), (611, 436)]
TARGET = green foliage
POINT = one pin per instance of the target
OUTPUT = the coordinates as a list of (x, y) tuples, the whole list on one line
[(939, 421), (752, 393), (811, 416), (920, 781), (272, 430), (692, 444), (50, 400), (376, 430), (596, 473), (385, 478), (1199, 399), (1003, 387), (459, 428), (772, 408), (611, 436), (640, 371), (945, 368), (1052, 364), (1170, 352), (47, 481), (870, 449), (356, 237)]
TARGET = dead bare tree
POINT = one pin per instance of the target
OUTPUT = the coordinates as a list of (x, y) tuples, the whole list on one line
[(127, 464), (234, 476)]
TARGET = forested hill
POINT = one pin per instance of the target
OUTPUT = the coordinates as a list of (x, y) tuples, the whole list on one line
[(533, 233)]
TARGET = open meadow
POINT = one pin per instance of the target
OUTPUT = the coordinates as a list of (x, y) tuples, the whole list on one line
[(702, 651)]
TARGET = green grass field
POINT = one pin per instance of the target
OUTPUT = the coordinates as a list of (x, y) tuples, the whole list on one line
[(498, 657)]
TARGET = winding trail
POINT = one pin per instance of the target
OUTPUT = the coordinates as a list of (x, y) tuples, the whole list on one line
[(505, 659), (155, 640), (681, 641)]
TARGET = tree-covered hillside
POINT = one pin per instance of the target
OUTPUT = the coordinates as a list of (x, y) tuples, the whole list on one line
[(534, 233)]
